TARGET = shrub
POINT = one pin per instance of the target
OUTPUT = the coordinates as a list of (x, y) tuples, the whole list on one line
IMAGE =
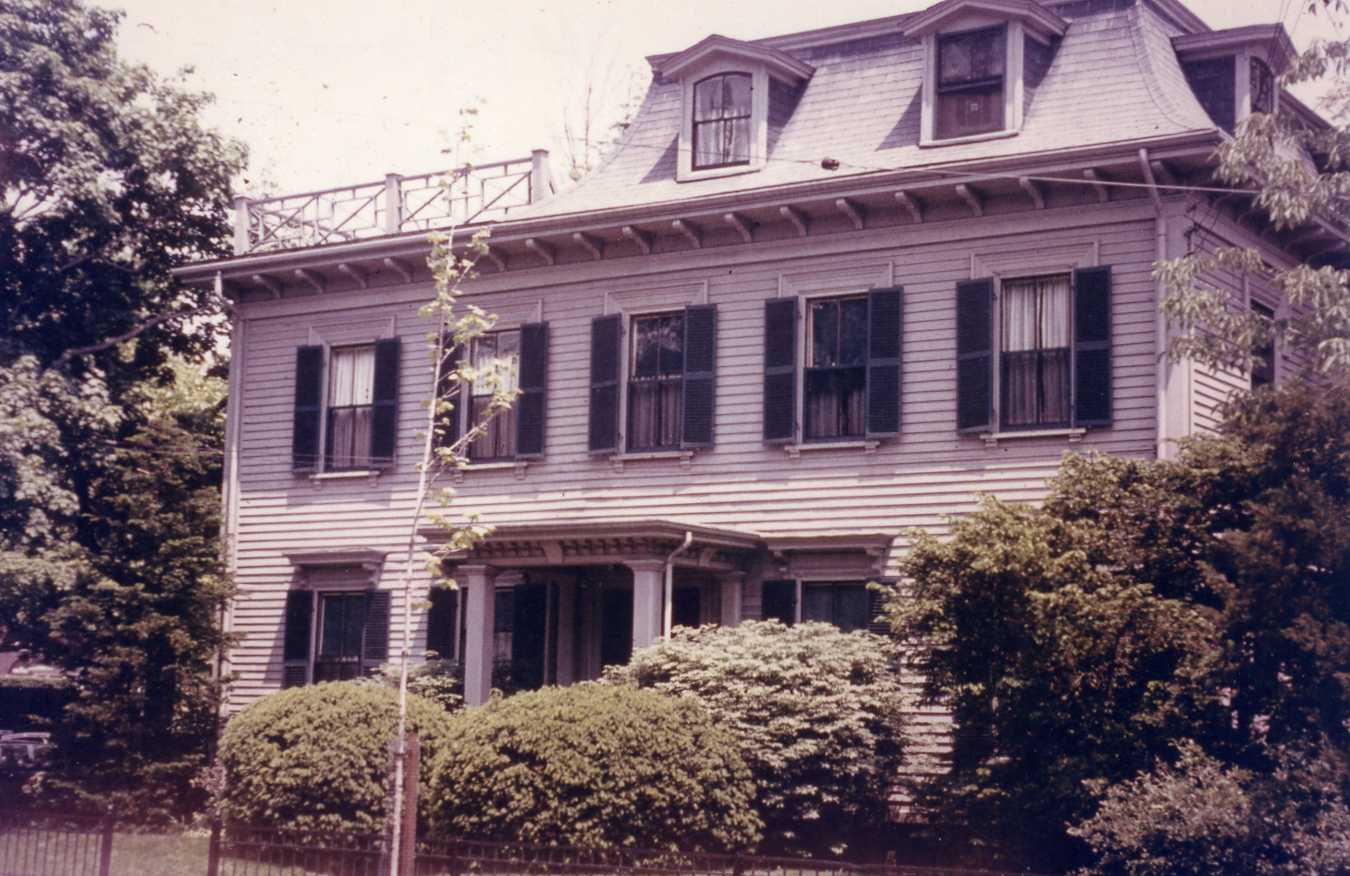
[(815, 712), (593, 766), (316, 758), (1202, 817), (437, 680)]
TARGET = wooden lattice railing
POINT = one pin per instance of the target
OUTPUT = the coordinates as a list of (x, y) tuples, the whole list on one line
[(395, 205)]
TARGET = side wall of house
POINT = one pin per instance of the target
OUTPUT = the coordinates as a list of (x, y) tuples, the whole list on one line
[(929, 472)]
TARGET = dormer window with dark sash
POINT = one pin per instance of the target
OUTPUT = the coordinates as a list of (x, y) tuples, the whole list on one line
[(1262, 86), (721, 123), (656, 382), (970, 82)]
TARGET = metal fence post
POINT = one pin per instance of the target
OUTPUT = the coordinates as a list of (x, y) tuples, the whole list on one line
[(213, 850), (105, 847)]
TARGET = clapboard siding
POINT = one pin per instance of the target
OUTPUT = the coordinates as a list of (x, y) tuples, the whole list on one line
[(916, 480)]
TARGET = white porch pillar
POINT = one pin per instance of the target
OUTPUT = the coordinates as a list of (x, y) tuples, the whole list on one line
[(565, 668), (478, 583), (733, 585), (648, 582)]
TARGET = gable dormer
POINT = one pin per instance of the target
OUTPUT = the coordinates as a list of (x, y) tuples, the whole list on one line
[(731, 92), (976, 67), (1232, 72)]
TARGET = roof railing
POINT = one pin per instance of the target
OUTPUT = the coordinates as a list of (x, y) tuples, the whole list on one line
[(397, 204)]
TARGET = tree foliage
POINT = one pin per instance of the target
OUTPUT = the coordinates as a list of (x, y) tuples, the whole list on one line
[(815, 711), (1301, 175), (1144, 603), (593, 766)]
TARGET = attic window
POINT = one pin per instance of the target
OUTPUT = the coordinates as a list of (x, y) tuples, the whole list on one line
[(1262, 86), (970, 85), (721, 123)]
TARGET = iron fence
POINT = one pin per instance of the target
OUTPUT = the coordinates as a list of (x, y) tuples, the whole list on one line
[(57, 845)]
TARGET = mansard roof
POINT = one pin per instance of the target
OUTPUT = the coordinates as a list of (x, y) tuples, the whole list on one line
[(1040, 20), (1113, 80)]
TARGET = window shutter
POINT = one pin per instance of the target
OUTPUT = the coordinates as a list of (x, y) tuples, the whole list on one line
[(974, 355), (295, 638), (876, 613), (780, 370), (700, 374), (375, 638), (308, 408), (441, 622), (606, 348), (778, 601), (885, 326), (384, 417), (1092, 346), (447, 380), (532, 403)]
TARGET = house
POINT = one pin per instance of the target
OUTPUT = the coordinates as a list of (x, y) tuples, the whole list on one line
[(832, 286)]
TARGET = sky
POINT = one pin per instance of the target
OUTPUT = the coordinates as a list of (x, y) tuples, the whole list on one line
[(333, 92)]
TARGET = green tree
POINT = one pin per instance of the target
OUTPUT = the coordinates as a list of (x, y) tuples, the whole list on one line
[(1143, 604), (1301, 174)]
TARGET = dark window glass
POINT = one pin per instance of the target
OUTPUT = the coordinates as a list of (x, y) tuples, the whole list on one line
[(1263, 353), (779, 601), (341, 624), (686, 607), (351, 396), (1262, 87), (722, 121), (836, 372), (496, 357), (1036, 326), (656, 378), (847, 606), (1213, 83), (970, 82)]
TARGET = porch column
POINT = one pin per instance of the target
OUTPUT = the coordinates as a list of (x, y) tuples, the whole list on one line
[(648, 582), (565, 669), (477, 581), (733, 585)]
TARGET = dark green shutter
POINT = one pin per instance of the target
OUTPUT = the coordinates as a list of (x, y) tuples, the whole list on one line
[(975, 355), (375, 637), (296, 638), (1092, 346), (700, 377), (780, 370), (447, 381), (308, 408), (885, 326), (441, 622), (384, 416), (606, 349), (532, 403)]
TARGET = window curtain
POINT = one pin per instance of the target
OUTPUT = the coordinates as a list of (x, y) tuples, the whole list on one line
[(351, 394), (1035, 343), (722, 121), (654, 409), (496, 358)]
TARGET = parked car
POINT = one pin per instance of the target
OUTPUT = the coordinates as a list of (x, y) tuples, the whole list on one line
[(24, 751)]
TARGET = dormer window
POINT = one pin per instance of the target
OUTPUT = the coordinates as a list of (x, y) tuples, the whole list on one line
[(722, 121), (970, 85), (1262, 84), (735, 98), (1232, 72), (976, 79)]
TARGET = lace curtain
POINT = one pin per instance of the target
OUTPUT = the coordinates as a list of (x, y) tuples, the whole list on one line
[(1035, 345)]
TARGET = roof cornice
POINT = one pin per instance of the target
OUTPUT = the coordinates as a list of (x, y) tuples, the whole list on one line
[(1035, 16), (778, 62), (1271, 35)]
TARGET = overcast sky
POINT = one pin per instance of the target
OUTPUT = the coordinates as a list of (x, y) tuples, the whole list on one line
[(330, 92)]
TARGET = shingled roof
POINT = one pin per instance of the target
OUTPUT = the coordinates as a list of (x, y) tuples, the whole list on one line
[(1114, 79)]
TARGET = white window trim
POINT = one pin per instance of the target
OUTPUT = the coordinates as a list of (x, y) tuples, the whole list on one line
[(1013, 81), (759, 119)]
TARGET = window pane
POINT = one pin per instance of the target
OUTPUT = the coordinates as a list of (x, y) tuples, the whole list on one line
[(721, 115), (349, 437), (818, 604), (852, 608), (496, 357), (834, 402), (353, 376), (1262, 87), (736, 95), (970, 111), (824, 333), (1263, 368), (647, 354), (671, 339), (969, 57), (343, 618), (1035, 341), (498, 440), (654, 413), (853, 332)]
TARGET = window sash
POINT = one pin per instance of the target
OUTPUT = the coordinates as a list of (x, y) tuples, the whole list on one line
[(348, 442), (848, 606), (342, 620), (835, 381), (1035, 333), (1263, 353), (655, 412), (720, 119), (984, 61), (494, 353)]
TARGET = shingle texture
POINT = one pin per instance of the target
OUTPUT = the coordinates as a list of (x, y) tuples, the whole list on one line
[(1113, 78)]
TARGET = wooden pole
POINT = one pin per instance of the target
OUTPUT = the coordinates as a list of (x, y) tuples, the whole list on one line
[(407, 853)]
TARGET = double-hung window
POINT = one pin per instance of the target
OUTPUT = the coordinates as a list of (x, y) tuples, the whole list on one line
[(334, 635), (342, 620), (656, 381), (721, 121), (1035, 349), (351, 404), (1261, 86), (846, 604), (836, 369), (970, 82), (1263, 352), (496, 358)]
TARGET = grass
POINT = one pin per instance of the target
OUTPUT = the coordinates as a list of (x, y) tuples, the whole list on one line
[(133, 854)]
